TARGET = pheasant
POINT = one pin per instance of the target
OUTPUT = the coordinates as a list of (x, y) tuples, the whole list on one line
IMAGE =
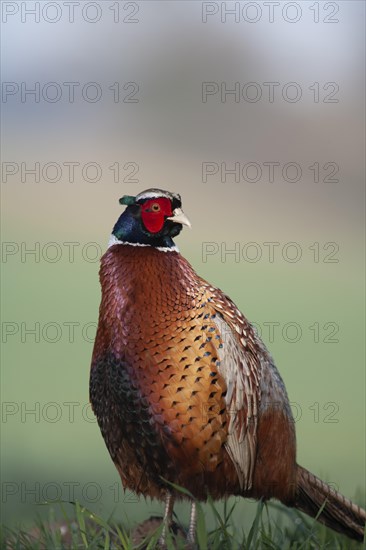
[(184, 390)]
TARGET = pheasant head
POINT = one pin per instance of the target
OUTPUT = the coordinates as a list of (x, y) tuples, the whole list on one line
[(152, 218)]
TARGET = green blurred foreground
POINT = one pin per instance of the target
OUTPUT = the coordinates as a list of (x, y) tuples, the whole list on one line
[(80, 528)]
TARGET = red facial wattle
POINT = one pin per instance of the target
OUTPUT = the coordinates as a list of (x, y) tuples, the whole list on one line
[(154, 212)]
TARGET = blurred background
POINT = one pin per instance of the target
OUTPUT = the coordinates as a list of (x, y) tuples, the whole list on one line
[(254, 113)]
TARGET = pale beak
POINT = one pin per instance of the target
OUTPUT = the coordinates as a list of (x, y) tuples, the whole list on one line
[(180, 217)]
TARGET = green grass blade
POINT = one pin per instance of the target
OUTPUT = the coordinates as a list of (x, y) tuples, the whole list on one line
[(201, 530), (81, 521), (253, 533)]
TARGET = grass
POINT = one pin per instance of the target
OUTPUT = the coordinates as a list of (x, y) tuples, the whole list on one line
[(289, 530)]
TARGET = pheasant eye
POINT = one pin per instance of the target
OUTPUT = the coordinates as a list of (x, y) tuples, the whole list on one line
[(155, 207)]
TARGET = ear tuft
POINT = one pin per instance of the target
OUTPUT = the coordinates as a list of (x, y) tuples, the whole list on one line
[(127, 200)]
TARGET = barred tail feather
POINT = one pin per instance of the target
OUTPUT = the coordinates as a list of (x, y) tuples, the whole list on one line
[(338, 513)]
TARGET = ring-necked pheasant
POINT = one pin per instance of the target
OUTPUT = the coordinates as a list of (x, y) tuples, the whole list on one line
[(183, 388)]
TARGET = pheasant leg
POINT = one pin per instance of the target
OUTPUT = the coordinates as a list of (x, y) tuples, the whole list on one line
[(169, 504), (191, 535)]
